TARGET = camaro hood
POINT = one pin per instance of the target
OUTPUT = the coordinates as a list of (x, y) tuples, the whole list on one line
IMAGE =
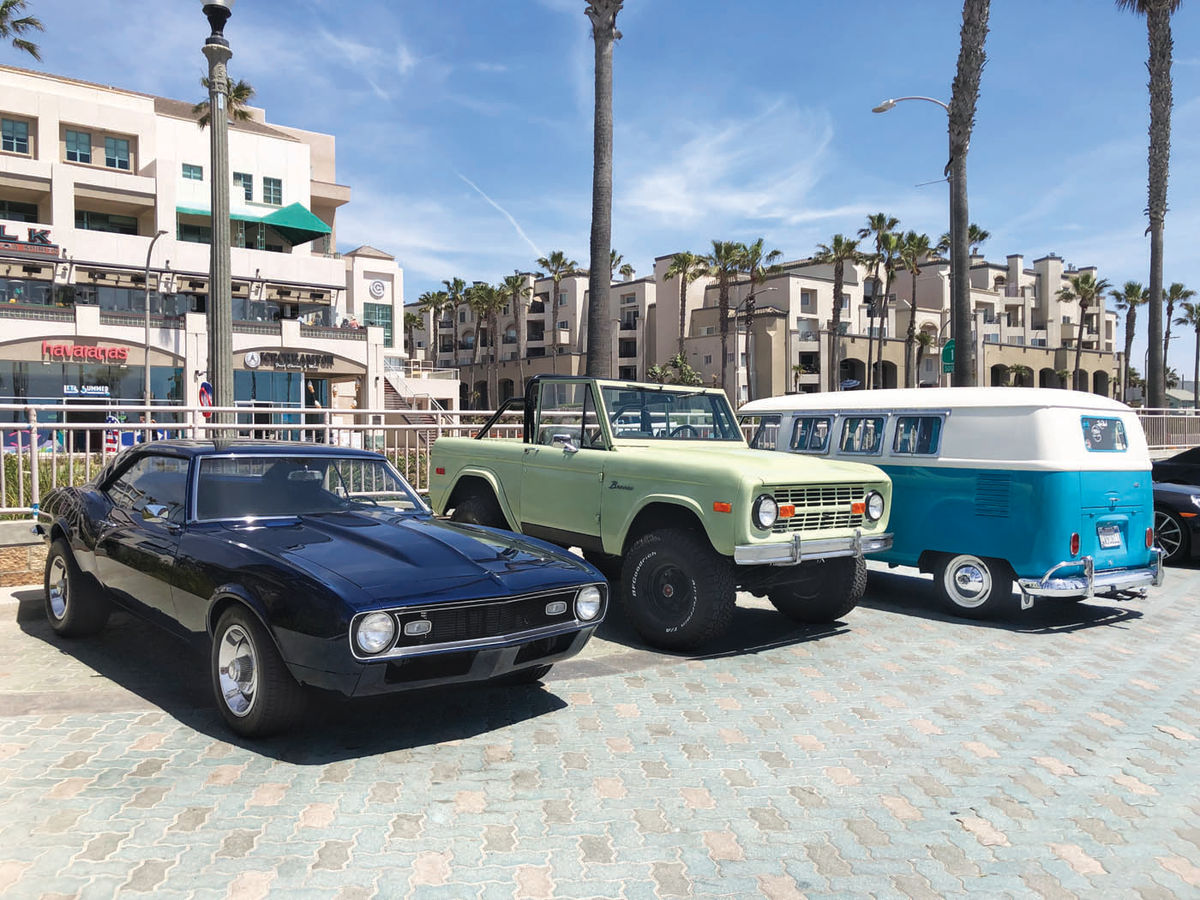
[(409, 558)]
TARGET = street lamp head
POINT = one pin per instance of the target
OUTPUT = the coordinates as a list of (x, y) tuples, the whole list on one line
[(218, 12), (884, 106)]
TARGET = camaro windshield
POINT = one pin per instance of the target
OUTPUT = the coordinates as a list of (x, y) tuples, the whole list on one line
[(669, 415), (240, 487)]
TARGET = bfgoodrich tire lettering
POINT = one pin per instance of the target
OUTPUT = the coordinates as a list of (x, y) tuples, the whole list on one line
[(677, 590), (826, 591), (254, 691), (75, 604), (974, 587)]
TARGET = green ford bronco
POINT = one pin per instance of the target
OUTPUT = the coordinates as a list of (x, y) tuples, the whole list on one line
[(657, 487)]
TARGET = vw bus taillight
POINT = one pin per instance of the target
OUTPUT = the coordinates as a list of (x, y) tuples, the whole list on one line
[(1075, 544)]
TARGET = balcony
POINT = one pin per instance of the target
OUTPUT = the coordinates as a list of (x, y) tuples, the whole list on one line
[(331, 333)]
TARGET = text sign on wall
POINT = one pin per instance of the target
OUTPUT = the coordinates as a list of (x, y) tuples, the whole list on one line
[(84, 352), (288, 360), (38, 241)]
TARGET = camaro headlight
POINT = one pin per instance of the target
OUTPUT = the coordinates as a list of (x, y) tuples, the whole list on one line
[(588, 602), (375, 632), (765, 512), (874, 506)]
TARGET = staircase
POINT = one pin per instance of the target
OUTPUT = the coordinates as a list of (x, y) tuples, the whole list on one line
[(398, 402)]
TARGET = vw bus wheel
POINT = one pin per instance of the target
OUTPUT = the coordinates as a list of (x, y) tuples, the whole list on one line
[(826, 591), (75, 604), (1170, 536), (254, 690), (677, 590), (973, 587)]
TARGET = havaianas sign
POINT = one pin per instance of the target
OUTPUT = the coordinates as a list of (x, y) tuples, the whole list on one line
[(84, 353)]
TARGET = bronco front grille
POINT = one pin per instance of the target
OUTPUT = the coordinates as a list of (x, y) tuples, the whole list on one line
[(818, 508), (496, 618)]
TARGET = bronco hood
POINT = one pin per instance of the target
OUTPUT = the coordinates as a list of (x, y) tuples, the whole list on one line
[(765, 466)]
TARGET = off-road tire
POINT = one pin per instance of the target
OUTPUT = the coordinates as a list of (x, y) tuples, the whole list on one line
[(974, 587), (479, 509), (75, 604), (277, 700), (677, 591), (827, 590)]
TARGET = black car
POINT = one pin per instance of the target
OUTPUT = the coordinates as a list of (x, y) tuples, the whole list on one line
[(1182, 468), (1177, 520), (306, 564)]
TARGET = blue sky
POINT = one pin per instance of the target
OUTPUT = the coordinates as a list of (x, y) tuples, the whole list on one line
[(464, 126)]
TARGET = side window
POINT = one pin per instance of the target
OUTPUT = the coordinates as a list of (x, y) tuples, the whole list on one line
[(810, 434), (1104, 434), (919, 435), (862, 434), (765, 431), (567, 411), (152, 480)]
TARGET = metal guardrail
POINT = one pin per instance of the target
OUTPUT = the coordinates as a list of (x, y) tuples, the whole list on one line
[(1170, 428)]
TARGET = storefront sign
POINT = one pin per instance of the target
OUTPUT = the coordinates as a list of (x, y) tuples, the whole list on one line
[(38, 241), (288, 360), (84, 353), (85, 390)]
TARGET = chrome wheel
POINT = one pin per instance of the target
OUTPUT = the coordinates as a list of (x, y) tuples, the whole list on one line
[(58, 587), (967, 581), (1168, 534), (237, 670)]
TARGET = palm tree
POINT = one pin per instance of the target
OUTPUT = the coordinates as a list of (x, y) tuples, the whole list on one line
[(914, 249), (557, 267), (879, 224), (486, 301), (412, 321), (687, 267), (725, 260), (1158, 29), (1085, 289), (757, 264), (1176, 293), (1022, 374), (432, 303), (516, 289), (239, 95), (1127, 300), (14, 28), (627, 270), (603, 16), (1191, 318), (839, 251), (456, 294), (976, 237), (891, 245), (925, 340)]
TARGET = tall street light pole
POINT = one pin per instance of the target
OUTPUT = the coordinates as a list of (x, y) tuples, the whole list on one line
[(219, 312), (960, 279), (146, 358)]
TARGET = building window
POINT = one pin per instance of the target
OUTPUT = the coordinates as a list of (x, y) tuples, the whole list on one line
[(18, 212), (193, 173), (708, 359), (195, 234), (1037, 342), (806, 300), (845, 301), (273, 191), (379, 314), (629, 298), (97, 221), (116, 153), (79, 146), (564, 325), (562, 299), (246, 182), (991, 338), (16, 136)]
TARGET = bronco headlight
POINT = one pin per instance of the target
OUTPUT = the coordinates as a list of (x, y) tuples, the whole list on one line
[(375, 632), (765, 511), (588, 602), (874, 506)]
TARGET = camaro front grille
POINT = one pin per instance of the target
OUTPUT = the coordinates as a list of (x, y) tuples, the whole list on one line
[(819, 508), (494, 619)]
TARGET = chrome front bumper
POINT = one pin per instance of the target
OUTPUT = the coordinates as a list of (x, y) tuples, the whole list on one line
[(1089, 582), (797, 551)]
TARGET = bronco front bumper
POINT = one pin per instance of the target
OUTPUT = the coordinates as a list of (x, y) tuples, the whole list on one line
[(798, 551), (1089, 582)]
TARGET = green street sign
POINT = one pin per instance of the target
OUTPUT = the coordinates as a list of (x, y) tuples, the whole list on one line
[(948, 353)]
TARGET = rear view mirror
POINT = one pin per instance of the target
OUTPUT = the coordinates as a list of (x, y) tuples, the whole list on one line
[(305, 475)]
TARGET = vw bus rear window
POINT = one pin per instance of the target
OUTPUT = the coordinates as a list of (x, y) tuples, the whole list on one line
[(1104, 435), (764, 431), (862, 434), (917, 435), (810, 434)]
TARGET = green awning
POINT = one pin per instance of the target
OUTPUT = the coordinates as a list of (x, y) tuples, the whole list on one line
[(295, 222), (235, 216)]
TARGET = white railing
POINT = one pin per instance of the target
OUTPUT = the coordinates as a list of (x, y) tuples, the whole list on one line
[(1170, 428), (41, 453)]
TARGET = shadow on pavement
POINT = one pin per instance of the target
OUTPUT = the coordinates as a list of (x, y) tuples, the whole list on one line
[(914, 595), (172, 675)]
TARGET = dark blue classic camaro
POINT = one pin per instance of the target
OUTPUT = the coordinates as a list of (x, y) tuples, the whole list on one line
[(305, 564)]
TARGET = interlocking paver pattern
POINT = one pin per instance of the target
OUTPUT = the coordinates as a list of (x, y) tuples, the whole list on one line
[(897, 754)]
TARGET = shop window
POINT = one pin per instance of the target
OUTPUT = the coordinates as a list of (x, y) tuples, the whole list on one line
[(21, 290), (116, 153), (246, 183), (15, 136), (379, 314), (273, 191), (79, 146), (97, 221), (18, 212), (192, 172)]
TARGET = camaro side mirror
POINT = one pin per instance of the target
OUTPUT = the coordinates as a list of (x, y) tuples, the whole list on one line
[(154, 512)]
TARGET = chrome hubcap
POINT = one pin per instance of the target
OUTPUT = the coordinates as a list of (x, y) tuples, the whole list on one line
[(1167, 534), (58, 588), (237, 670), (969, 583)]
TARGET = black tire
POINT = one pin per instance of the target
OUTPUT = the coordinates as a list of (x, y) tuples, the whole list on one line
[(254, 691), (827, 591), (531, 675), (479, 509), (609, 565), (974, 587), (1171, 536), (76, 606), (677, 590)]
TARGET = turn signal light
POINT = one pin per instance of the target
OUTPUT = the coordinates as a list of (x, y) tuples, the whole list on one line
[(1149, 538), (1075, 544), (787, 512), (720, 506), (858, 507)]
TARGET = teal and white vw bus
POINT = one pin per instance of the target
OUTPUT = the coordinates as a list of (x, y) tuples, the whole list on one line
[(1047, 489)]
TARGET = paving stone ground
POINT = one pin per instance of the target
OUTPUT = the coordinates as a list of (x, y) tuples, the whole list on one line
[(901, 753)]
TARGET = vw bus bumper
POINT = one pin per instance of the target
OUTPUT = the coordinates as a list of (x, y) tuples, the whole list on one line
[(797, 551), (1089, 582)]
